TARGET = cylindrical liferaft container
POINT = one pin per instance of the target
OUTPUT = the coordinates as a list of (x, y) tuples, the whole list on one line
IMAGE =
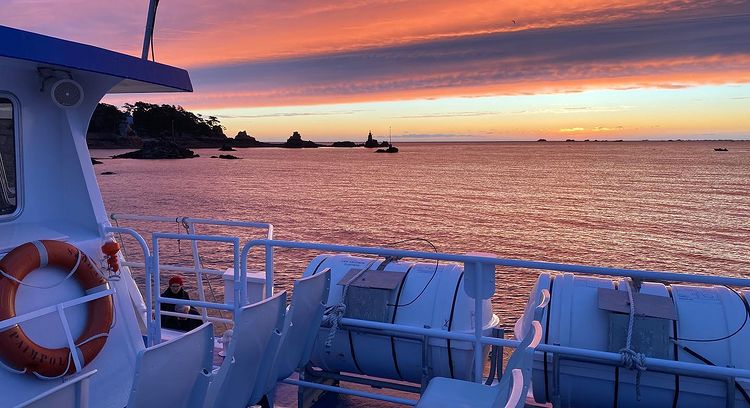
[(425, 295), (709, 320)]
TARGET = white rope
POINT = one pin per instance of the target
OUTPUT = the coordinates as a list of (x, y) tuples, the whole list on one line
[(44, 377), (334, 314), (333, 317), (72, 271), (13, 370), (629, 357)]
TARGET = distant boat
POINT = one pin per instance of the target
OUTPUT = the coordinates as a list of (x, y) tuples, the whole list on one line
[(721, 149), (390, 149)]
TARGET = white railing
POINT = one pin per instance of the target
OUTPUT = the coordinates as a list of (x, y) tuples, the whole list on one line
[(189, 224), (480, 273)]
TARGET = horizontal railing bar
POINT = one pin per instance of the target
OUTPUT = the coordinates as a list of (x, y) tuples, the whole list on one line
[(51, 309), (197, 317), (418, 331), (69, 382), (670, 366), (190, 220), (515, 263), (133, 233), (196, 303), (383, 332), (653, 364), (357, 393), (371, 381), (175, 268), (196, 237)]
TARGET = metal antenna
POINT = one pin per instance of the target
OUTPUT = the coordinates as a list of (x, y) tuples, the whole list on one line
[(149, 27)]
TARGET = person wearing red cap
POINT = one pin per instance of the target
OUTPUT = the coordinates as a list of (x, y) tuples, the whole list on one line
[(176, 291)]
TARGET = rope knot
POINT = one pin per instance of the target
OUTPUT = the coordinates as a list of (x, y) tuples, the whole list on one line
[(333, 317), (629, 357), (634, 361)]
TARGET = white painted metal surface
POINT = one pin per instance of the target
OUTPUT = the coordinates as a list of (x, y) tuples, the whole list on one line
[(704, 313), (430, 296)]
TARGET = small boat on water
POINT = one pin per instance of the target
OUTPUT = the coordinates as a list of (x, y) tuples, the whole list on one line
[(390, 149), (76, 330)]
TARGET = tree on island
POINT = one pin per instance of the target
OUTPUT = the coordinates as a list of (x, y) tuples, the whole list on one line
[(111, 127), (106, 118), (163, 120)]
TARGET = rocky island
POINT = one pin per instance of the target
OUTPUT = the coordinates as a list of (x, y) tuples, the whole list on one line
[(158, 149), (371, 143), (112, 128), (295, 142), (169, 132), (243, 140), (344, 144)]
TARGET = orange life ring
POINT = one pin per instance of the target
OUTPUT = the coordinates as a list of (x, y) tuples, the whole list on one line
[(16, 349)]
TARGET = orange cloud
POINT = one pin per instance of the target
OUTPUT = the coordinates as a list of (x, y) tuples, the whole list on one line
[(199, 33), (481, 82)]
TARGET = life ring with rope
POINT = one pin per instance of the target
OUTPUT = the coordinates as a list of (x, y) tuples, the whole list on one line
[(17, 350)]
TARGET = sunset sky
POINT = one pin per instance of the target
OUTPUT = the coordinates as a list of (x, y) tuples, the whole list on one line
[(436, 70)]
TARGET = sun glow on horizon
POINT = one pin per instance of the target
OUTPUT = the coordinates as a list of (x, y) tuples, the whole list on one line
[(707, 112)]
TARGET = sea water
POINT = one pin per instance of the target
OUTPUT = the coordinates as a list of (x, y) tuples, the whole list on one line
[(672, 206)]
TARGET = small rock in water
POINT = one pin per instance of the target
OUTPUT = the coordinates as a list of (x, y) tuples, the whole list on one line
[(107, 173), (228, 157)]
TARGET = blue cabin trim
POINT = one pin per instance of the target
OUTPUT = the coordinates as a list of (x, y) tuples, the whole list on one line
[(138, 75)]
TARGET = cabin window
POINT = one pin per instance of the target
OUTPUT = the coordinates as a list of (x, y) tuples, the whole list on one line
[(8, 176)]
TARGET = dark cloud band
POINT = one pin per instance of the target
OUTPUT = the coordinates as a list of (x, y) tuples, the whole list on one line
[(585, 53)]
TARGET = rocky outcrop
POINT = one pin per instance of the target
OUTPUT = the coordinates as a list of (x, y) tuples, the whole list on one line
[(228, 157), (226, 148), (158, 149), (244, 140), (295, 142), (344, 144)]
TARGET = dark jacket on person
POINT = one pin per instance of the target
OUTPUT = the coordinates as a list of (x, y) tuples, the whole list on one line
[(174, 322)]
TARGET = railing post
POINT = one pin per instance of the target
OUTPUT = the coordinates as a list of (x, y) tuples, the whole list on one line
[(479, 283), (157, 294), (239, 279), (148, 267), (269, 270), (82, 393), (197, 266), (478, 328), (69, 338)]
